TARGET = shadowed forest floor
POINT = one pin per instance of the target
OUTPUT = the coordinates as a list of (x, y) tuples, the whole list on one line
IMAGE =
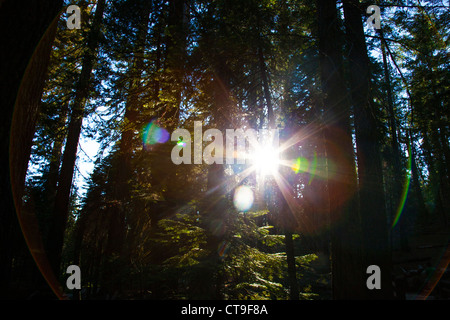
[(424, 259), (413, 267)]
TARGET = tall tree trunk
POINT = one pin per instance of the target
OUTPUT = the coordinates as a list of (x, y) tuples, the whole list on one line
[(165, 177), (441, 147), (175, 55), (169, 65), (55, 160), (27, 31), (292, 272), (266, 87), (347, 275), (396, 157), (214, 203), (370, 173), (411, 139), (61, 209), (123, 173), (415, 182)]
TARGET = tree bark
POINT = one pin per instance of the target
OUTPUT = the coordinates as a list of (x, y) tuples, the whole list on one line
[(347, 276), (123, 173), (266, 87), (292, 273), (396, 157), (165, 178), (370, 174), (214, 204)]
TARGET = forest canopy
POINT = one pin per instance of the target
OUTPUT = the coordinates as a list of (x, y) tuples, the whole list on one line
[(257, 149)]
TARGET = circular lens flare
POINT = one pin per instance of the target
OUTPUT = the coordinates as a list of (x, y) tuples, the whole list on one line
[(303, 165), (243, 198), (300, 165), (154, 134)]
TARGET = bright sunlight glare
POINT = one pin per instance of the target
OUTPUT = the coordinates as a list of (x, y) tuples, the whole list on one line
[(266, 160)]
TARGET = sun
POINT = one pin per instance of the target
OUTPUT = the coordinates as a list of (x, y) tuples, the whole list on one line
[(265, 159)]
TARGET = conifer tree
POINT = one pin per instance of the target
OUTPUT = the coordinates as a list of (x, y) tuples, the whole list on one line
[(60, 214)]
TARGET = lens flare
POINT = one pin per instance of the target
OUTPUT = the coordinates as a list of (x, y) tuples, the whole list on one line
[(243, 198), (154, 134), (266, 160), (300, 165), (313, 168), (223, 248), (303, 165), (436, 276), (181, 143), (404, 195)]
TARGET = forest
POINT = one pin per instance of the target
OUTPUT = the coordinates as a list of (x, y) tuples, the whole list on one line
[(118, 139)]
